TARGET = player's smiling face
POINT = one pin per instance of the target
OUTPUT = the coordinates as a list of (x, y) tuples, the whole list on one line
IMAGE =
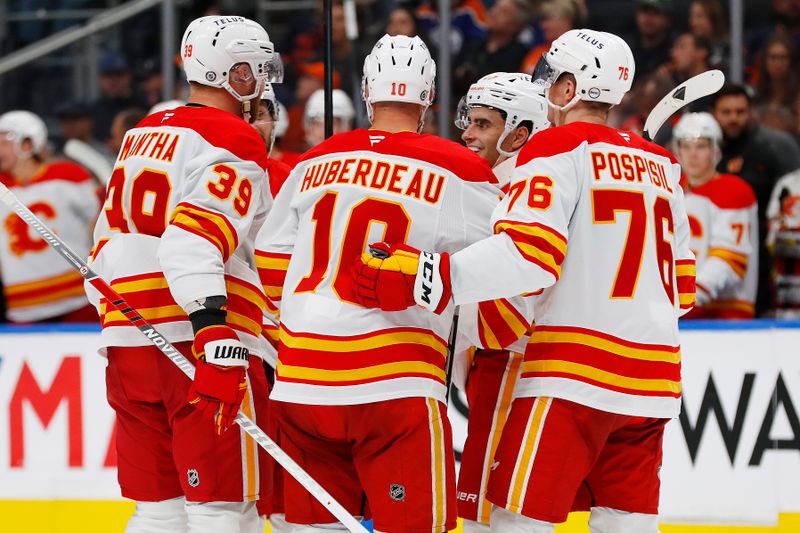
[(486, 125)]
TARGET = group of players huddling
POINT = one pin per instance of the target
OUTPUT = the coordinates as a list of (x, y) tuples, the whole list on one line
[(344, 274)]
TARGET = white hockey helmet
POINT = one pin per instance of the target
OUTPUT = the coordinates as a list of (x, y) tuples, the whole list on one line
[(21, 125), (513, 95), (398, 69), (601, 62), (213, 45), (697, 126), (342, 106)]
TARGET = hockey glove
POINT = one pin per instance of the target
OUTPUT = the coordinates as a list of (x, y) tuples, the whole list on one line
[(220, 375), (394, 278)]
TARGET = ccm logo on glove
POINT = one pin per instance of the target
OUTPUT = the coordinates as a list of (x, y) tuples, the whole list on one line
[(427, 260)]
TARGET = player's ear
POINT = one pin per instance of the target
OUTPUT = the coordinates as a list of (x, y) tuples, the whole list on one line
[(518, 138)]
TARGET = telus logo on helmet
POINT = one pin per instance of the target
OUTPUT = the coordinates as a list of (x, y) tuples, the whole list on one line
[(591, 40)]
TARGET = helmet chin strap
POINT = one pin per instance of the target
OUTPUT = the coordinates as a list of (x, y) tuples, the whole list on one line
[(561, 109), (502, 139)]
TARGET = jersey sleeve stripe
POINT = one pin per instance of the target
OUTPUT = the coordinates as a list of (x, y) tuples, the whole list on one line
[(538, 244), (606, 343), (213, 227), (736, 260), (272, 269), (686, 276), (500, 324)]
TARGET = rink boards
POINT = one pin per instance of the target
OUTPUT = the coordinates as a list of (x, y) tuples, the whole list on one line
[(732, 458)]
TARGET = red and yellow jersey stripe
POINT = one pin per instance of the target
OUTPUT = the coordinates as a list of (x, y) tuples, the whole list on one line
[(44, 291), (603, 361), (317, 359), (212, 226), (500, 324), (685, 273), (537, 243), (272, 269), (149, 294), (737, 261)]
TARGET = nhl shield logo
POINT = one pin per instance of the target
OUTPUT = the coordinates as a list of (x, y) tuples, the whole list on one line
[(193, 477), (397, 492)]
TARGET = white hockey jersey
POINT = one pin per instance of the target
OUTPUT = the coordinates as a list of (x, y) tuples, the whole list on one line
[(353, 189), (723, 219), (37, 282), (596, 217), (188, 194)]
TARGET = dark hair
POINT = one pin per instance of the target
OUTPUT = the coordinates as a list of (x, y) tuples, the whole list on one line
[(731, 89), (410, 13), (716, 14), (765, 84), (131, 117)]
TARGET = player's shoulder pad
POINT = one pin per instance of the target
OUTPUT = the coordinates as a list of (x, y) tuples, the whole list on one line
[(563, 139), (219, 128), (64, 171), (727, 191)]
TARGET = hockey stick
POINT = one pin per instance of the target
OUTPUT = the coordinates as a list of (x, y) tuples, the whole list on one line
[(451, 355), (696, 87), (176, 357), (87, 156)]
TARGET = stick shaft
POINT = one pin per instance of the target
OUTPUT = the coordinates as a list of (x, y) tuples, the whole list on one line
[(157, 339)]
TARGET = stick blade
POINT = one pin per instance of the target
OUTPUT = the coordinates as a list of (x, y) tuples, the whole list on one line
[(696, 87)]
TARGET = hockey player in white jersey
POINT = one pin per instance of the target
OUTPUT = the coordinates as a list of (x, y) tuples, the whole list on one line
[(499, 113), (360, 393), (187, 196), (595, 216), (723, 219), (36, 285)]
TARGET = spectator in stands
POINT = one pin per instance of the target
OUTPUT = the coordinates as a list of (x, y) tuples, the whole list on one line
[(689, 57), (500, 51), (556, 17), (125, 120), (758, 154), (116, 93), (75, 121), (778, 118), (652, 41), (707, 19), (785, 21), (402, 21), (468, 23), (778, 81)]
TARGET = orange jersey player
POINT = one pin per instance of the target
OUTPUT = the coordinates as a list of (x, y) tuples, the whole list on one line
[(594, 216), (37, 286), (360, 393), (498, 114), (176, 239), (723, 218)]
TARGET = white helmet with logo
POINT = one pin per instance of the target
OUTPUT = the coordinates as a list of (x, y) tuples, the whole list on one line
[(697, 126), (342, 106), (21, 125), (513, 95), (213, 45), (601, 62), (398, 69)]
